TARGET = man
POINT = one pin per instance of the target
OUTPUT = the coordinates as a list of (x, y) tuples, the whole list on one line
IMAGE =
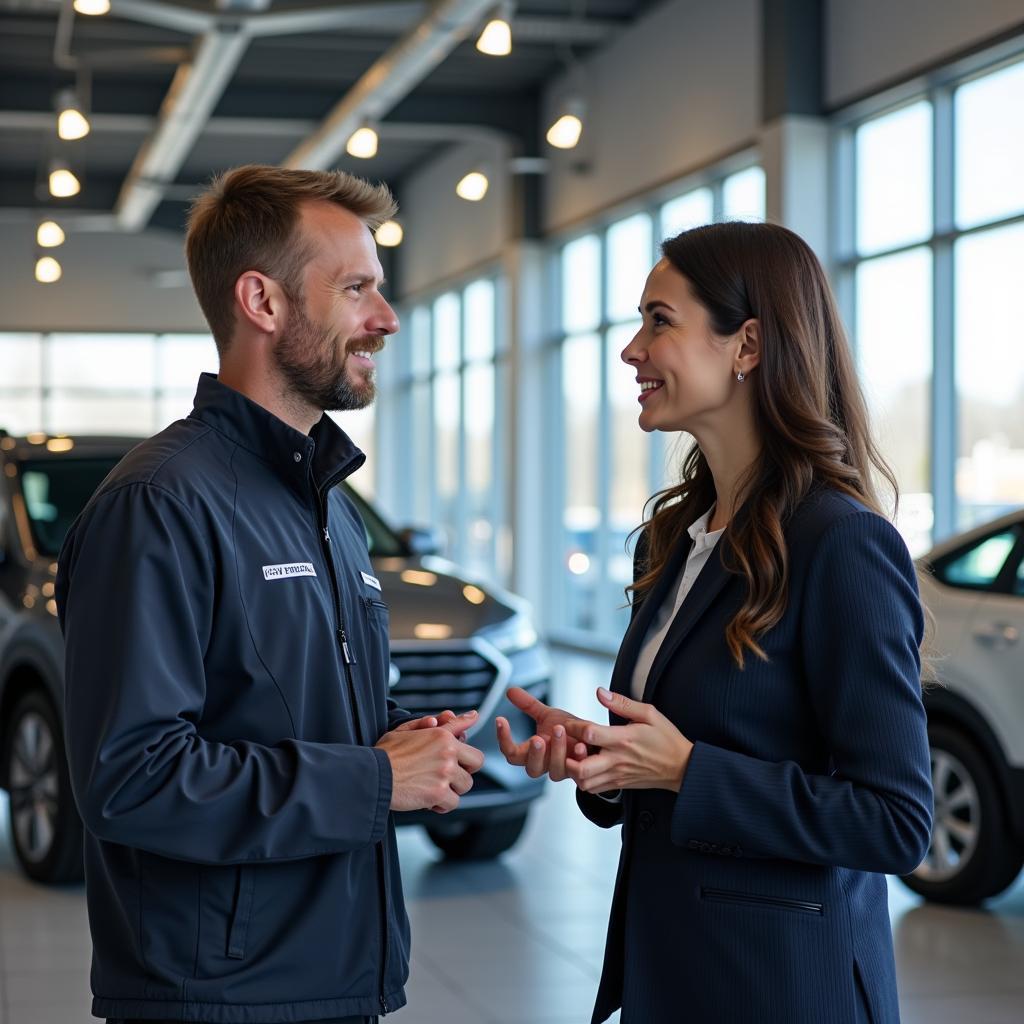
[(231, 745)]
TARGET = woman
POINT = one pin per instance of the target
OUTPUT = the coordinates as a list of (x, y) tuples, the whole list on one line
[(767, 754)]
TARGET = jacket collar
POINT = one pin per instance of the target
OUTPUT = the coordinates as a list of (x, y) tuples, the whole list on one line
[(326, 454)]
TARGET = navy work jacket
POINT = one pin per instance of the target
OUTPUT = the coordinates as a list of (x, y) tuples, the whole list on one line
[(757, 894), (226, 679)]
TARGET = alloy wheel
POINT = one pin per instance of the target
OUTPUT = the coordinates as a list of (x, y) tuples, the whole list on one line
[(957, 821), (33, 786)]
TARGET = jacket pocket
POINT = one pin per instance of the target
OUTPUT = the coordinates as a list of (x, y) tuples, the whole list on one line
[(238, 930), (750, 899)]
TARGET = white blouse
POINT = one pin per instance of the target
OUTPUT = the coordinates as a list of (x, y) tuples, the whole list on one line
[(700, 551)]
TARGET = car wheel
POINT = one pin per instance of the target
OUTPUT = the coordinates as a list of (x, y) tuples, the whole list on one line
[(972, 855), (45, 828), (477, 840)]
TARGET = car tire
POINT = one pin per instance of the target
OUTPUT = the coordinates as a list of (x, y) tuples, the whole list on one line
[(45, 828), (972, 855), (478, 840)]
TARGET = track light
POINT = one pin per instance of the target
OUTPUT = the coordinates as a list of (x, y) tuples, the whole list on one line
[(496, 38), (389, 234), (62, 182), (362, 143), (48, 270), (473, 187), (49, 235), (565, 132), (71, 122), (92, 7)]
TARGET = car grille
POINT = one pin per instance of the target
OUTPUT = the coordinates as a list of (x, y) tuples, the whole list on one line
[(445, 679)]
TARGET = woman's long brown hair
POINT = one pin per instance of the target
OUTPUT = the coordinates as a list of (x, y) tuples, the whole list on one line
[(809, 412)]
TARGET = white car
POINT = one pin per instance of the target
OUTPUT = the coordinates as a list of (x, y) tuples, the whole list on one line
[(974, 586)]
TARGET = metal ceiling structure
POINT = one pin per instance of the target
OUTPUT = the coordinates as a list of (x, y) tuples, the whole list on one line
[(179, 91)]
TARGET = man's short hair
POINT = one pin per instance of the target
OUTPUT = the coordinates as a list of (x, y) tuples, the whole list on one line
[(248, 219)]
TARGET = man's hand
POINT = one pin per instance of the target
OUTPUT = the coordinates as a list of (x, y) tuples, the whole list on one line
[(547, 750), (648, 753), (430, 721), (431, 765)]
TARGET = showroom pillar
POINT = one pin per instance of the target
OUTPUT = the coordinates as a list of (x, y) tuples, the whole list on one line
[(794, 139)]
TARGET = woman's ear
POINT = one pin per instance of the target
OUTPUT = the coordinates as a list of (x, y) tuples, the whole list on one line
[(749, 353)]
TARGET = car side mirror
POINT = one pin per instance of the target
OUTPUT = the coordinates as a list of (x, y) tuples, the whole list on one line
[(419, 540)]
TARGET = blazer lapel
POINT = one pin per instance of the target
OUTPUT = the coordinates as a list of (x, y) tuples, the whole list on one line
[(629, 650), (706, 587)]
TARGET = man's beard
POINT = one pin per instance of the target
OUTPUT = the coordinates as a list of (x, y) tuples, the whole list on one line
[(306, 355)]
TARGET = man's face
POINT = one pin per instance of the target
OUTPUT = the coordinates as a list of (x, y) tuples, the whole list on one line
[(341, 319)]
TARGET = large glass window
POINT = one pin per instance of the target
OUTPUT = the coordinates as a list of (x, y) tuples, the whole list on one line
[(442, 388), (928, 267), (132, 384)]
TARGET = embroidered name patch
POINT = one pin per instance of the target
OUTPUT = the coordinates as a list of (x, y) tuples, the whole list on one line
[(280, 572), (370, 581)]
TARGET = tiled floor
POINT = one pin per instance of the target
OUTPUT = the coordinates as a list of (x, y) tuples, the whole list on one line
[(519, 941)]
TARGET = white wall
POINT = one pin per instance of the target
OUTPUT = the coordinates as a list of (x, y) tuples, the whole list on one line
[(679, 88), (444, 235), (106, 284), (874, 43)]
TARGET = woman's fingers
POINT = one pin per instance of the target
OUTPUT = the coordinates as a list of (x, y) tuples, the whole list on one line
[(536, 758), (514, 753), (556, 760)]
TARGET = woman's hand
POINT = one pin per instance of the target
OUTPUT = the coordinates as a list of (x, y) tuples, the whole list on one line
[(649, 753), (548, 749)]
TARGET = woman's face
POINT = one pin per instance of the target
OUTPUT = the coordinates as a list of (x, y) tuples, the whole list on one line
[(685, 372)]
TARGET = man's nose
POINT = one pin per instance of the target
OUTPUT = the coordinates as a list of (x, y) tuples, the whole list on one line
[(384, 319)]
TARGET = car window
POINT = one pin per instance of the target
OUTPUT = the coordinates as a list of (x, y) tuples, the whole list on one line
[(380, 538), (1018, 583), (55, 491), (980, 565)]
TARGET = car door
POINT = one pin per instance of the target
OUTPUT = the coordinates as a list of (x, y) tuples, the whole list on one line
[(987, 665)]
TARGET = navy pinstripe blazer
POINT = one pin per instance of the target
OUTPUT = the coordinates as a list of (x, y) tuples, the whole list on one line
[(757, 894)]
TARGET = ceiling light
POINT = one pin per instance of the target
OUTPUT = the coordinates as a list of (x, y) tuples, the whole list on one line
[(48, 270), (49, 234), (389, 233), (62, 182), (92, 6), (566, 131), (71, 122), (472, 187), (496, 38), (362, 143)]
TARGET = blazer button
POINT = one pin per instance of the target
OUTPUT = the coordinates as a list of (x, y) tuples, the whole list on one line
[(645, 820)]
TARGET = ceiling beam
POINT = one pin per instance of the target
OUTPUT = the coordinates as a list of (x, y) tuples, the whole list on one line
[(390, 79)]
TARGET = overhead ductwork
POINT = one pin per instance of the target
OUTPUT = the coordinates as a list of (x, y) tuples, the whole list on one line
[(391, 78)]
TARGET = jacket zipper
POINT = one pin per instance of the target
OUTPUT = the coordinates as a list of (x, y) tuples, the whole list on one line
[(756, 900), (349, 661)]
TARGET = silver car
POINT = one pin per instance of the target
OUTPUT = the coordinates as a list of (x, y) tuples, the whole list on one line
[(973, 584)]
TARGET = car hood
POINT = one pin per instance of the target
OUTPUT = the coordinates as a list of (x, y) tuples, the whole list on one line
[(432, 592)]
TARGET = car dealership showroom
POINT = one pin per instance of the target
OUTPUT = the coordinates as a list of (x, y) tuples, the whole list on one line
[(693, 573)]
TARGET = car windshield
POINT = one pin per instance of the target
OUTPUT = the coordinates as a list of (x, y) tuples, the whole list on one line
[(380, 538), (55, 491)]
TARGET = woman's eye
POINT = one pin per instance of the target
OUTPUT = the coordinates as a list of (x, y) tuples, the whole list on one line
[(658, 320)]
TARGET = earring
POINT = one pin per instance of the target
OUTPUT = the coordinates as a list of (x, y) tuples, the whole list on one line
[(741, 377)]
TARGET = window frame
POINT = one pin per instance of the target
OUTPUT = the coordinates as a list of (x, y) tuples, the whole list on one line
[(938, 88)]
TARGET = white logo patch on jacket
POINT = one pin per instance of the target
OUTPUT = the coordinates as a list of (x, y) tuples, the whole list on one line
[(370, 581), (286, 569)]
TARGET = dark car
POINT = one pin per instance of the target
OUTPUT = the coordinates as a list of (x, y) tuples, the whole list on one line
[(456, 643)]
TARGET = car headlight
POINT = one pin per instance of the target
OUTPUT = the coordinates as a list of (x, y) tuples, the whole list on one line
[(514, 634)]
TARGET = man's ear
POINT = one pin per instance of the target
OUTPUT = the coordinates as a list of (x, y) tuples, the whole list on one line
[(261, 302), (749, 354)]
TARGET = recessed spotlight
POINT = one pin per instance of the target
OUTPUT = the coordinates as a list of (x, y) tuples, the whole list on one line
[(389, 234), (49, 234), (473, 187), (362, 143)]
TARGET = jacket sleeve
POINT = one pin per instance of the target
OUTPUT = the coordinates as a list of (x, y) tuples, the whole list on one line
[(860, 634), (136, 594)]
